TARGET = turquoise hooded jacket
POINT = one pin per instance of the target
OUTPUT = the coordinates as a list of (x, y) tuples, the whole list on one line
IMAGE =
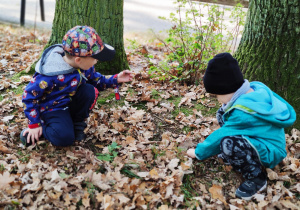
[(260, 117)]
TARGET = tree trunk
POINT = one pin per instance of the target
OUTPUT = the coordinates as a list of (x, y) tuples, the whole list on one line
[(269, 50), (245, 3), (104, 15)]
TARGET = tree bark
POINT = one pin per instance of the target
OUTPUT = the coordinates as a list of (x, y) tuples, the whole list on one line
[(245, 3), (104, 15), (269, 50)]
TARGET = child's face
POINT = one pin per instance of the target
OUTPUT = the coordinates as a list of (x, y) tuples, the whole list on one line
[(85, 63)]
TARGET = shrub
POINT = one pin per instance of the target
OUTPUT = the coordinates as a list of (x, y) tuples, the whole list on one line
[(195, 38)]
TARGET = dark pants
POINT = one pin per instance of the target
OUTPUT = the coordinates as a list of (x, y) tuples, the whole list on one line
[(237, 152), (58, 126)]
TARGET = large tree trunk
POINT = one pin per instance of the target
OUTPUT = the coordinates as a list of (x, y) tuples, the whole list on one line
[(269, 50), (104, 15)]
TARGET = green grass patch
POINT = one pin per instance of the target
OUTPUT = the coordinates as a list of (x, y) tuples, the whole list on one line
[(187, 187), (113, 152), (206, 111), (155, 94), (157, 152), (19, 90), (102, 100), (140, 105), (2, 168), (23, 157), (16, 77), (126, 170)]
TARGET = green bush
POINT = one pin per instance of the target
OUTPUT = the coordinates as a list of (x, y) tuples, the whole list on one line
[(195, 38)]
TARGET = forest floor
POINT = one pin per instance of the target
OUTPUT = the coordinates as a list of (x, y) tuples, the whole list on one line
[(134, 156)]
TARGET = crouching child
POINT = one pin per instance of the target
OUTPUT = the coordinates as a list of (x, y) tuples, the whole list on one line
[(252, 119), (65, 87)]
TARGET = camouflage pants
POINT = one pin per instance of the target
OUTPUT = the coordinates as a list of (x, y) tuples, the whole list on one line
[(237, 152)]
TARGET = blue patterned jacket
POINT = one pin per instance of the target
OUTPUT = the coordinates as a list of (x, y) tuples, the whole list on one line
[(55, 82)]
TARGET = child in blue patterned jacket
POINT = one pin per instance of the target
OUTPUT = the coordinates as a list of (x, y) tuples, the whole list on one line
[(65, 87), (252, 120)]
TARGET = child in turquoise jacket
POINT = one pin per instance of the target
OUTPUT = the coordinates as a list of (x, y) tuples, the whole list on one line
[(252, 120)]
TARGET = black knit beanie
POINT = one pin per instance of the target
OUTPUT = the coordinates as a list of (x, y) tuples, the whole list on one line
[(223, 75)]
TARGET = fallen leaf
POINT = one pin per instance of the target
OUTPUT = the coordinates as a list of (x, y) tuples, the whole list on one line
[(217, 193), (119, 126), (7, 118), (153, 173), (271, 174), (5, 180)]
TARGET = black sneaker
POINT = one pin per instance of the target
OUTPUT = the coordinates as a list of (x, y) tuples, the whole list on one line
[(24, 138), (250, 187), (78, 130)]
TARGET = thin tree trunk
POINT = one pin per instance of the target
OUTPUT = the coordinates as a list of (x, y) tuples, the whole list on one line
[(105, 16), (270, 47)]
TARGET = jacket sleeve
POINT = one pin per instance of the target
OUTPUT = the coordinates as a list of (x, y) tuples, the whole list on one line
[(211, 145), (100, 81), (31, 97)]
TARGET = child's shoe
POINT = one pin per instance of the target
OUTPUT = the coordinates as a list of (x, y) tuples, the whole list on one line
[(252, 186), (79, 130), (24, 138)]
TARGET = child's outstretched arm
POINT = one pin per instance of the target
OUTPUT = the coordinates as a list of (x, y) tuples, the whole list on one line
[(101, 82), (125, 76)]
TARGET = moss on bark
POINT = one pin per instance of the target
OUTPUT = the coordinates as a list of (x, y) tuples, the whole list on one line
[(270, 48)]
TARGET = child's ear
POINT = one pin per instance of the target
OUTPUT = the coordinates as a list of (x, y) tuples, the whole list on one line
[(77, 60)]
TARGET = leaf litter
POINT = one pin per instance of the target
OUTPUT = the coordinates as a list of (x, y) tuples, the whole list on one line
[(143, 164)]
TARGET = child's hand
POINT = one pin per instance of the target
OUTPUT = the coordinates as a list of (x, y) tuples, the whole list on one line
[(33, 134), (125, 76), (191, 153)]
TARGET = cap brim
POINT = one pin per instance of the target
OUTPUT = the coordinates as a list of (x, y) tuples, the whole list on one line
[(107, 54)]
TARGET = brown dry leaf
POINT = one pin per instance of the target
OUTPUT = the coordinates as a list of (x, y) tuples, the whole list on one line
[(118, 126), (129, 140), (153, 173), (144, 50), (296, 188), (185, 166), (98, 180), (7, 118), (100, 197), (5, 180), (67, 199), (186, 100), (169, 121), (122, 198), (289, 205), (86, 199), (108, 203), (168, 106), (272, 175), (173, 164), (136, 117), (143, 174), (163, 207), (203, 188), (3, 148), (217, 193), (26, 78)]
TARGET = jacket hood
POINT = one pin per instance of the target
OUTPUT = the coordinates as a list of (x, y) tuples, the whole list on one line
[(267, 105), (52, 62)]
